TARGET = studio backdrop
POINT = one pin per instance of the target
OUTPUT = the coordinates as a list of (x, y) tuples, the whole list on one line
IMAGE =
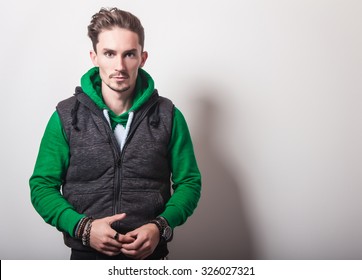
[(272, 94)]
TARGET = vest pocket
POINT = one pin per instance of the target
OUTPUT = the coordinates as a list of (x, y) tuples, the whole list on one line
[(91, 198), (140, 207), (91, 162)]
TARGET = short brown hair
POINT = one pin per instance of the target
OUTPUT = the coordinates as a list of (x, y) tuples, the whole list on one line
[(106, 19)]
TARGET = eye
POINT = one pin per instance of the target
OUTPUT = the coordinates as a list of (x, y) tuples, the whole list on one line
[(130, 54), (109, 54)]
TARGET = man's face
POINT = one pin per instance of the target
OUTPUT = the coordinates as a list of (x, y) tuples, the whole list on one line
[(118, 56)]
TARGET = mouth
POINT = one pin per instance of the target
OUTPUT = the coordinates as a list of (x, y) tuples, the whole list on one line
[(119, 77)]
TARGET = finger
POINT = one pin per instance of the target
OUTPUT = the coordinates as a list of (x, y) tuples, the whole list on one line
[(141, 253), (132, 233), (110, 252), (124, 239), (114, 218), (130, 253), (144, 252), (110, 248), (115, 240), (135, 245), (114, 243), (109, 244)]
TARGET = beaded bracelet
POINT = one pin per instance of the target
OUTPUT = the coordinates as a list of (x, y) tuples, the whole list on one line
[(80, 227), (86, 232)]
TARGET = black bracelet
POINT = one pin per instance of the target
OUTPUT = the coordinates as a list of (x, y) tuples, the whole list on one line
[(157, 223)]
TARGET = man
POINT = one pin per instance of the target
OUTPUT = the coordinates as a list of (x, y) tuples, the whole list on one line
[(110, 153)]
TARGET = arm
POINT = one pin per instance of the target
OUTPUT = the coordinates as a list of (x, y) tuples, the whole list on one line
[(50, 168), (186, 176)]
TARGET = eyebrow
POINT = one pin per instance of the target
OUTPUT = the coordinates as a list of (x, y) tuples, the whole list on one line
[(126, 51), (107, 50)]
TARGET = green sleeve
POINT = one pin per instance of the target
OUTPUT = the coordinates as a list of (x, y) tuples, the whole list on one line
[(49, 171), (186, 177)]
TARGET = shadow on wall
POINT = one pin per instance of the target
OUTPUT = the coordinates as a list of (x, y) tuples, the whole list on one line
[(218, 228)]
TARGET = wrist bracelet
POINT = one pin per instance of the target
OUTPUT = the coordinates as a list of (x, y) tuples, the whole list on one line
[(86, 232), (157, 223), (80, 227)]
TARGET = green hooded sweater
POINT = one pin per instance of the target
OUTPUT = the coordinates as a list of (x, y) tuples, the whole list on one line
[(53, 160)]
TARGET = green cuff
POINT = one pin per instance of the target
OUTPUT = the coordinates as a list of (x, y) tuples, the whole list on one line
[(69, 220), (173, 216)]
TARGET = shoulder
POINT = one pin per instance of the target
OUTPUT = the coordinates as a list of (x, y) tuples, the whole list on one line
[(166, 106), (165, 100), (66, 104), (69, 103), (65, 110)]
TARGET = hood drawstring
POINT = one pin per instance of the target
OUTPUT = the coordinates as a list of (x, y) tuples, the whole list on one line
[(74, 112), (74, 115), (155, 117)]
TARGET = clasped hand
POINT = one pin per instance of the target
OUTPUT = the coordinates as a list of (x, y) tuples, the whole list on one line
[(136, 244)]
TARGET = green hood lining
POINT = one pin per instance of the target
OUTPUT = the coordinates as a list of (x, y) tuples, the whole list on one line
[(92, 86)]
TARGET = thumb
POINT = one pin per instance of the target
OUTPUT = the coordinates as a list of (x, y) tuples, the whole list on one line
[(114, 218)]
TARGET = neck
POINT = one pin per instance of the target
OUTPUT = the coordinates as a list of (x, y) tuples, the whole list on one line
[(118, 102)]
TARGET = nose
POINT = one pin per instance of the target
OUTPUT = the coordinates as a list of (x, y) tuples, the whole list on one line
[(120, 65)]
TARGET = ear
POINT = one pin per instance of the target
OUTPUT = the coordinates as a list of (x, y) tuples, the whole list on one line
[(93, 56), (144, 56)]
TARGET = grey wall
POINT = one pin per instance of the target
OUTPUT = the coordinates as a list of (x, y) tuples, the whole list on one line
[(272, 94)]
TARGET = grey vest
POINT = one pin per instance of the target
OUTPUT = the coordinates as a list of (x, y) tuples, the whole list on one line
[(101, 180)]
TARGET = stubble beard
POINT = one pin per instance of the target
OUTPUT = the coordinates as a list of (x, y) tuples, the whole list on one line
[(119, 90)]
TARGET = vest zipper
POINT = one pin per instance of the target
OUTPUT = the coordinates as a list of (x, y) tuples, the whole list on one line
[(117, 162), (118, 193), (118, 156)]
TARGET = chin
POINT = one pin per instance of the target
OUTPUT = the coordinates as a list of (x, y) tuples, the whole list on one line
[(119, 89)]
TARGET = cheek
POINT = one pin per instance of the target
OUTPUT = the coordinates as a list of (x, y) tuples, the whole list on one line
[(103, 73), (105, 64), (133, 67), (104, 68)]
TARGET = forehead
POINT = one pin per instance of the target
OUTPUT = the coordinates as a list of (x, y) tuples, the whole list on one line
[(118, 39)]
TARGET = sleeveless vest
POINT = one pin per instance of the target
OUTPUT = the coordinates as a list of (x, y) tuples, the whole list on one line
[(101, 180)]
